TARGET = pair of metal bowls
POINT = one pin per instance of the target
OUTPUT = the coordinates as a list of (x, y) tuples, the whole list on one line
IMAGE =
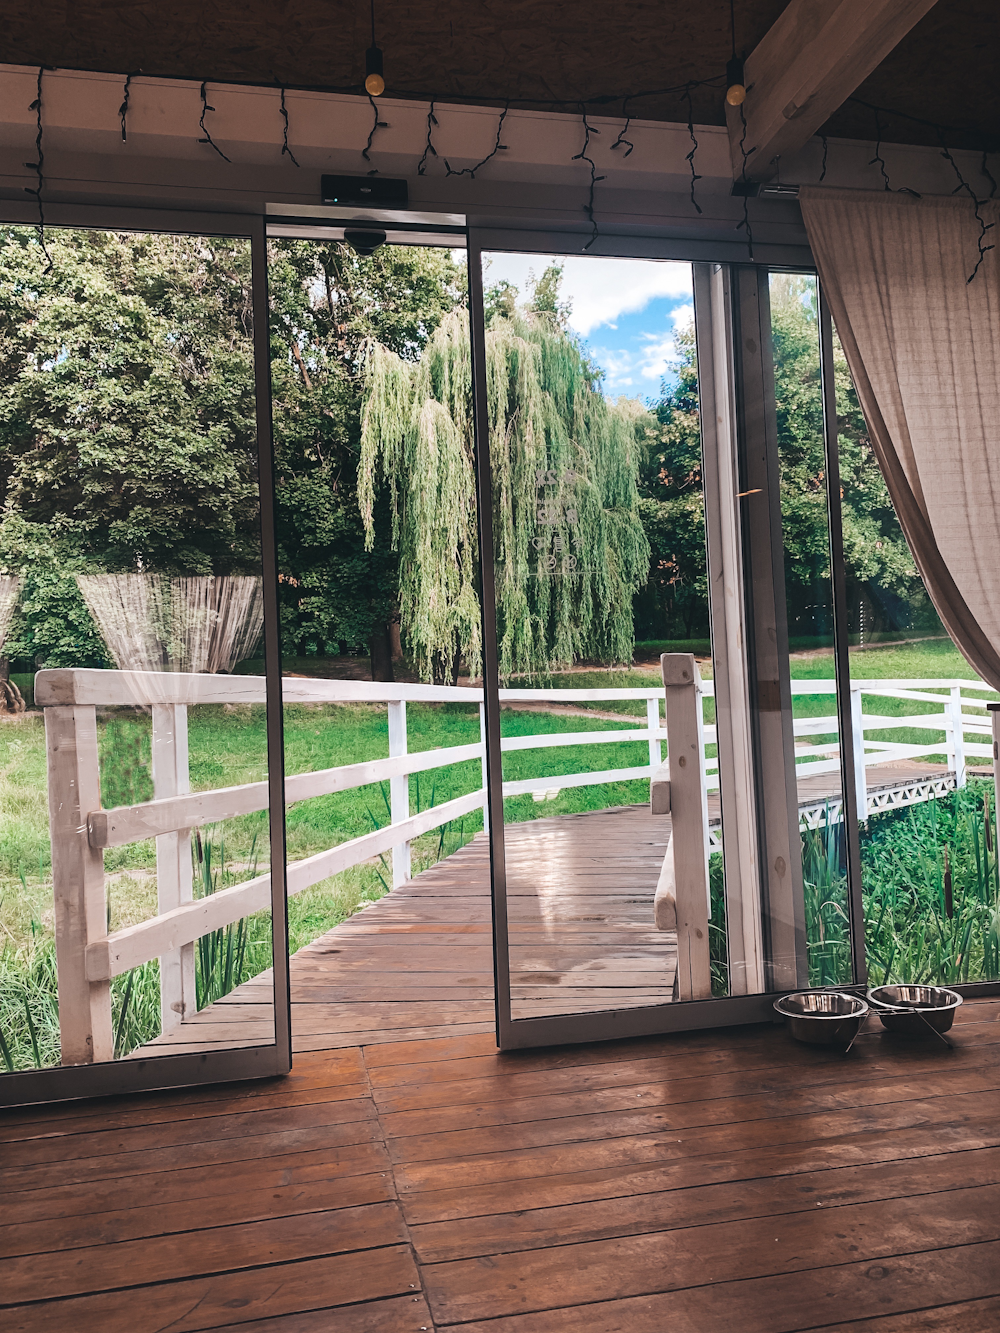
[(834, 1018)]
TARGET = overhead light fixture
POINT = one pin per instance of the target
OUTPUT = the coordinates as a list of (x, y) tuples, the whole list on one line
[(736, 93), (374, 71), (364, 241)]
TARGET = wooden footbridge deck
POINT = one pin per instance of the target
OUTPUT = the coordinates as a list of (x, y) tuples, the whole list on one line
[(419, 962)]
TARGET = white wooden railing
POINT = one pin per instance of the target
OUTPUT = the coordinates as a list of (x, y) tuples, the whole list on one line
[(88, 956)]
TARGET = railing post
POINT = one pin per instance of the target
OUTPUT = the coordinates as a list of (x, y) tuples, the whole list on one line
[(174, 872), (74, 781), (956, 736), (858, 736), (653, 722), (482, 741), (682, 894), (399, 790)]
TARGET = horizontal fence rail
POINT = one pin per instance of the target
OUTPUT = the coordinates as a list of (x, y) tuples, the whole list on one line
[(70, 697)]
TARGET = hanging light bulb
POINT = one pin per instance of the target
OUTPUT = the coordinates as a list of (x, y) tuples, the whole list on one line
[(736, 92), (374, 72)]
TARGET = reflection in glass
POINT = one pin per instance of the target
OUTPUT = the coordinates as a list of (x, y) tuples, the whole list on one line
[(130, 550)]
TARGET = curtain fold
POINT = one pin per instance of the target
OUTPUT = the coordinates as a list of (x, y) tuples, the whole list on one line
[(923, 346)]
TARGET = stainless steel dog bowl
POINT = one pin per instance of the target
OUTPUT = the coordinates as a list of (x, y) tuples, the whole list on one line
[(911, 1010), (823, 1018)]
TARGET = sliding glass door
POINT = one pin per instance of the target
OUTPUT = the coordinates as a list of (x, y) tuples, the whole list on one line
[(142, 864), (644, 755)]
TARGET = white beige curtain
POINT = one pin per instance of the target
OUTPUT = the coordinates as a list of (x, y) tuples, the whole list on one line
[(923, 345)]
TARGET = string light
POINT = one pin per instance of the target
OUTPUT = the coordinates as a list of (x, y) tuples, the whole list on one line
[(376, 125), (123, 109), (374, 70), (204, 128), (736, 93), (694, 149), (38, 167), (745, 224), (622, 139), (284, 116), (584, 156), (428, 146), (498, 147)]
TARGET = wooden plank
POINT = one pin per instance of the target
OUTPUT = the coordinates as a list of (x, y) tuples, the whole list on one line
[(226, 1300), (780, 1304), (145, 1220), (402, 1314), (544, 1226), (809, 62), (713, 1255), (135, 1263)]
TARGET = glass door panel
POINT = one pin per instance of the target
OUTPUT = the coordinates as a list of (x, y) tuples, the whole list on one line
[(136, 899), (600, 569), (809, 606), (380, 627)]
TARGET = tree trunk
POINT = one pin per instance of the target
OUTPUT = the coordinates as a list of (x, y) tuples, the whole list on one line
[(455, 664), (381, 654), (395, 640)]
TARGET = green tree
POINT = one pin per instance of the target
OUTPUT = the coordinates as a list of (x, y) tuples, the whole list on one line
[(127, 436), (327, 303), (674, 600), (569, 547)]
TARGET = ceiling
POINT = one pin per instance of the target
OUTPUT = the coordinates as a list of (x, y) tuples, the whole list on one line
[(537, 52)]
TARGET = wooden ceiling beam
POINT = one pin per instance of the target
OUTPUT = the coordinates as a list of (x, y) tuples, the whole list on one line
[(806, 66)]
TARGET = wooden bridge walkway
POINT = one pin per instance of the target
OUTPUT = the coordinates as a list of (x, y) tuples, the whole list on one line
[(419, 962)]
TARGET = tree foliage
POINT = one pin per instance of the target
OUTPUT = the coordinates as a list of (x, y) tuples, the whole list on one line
[(569, 546)]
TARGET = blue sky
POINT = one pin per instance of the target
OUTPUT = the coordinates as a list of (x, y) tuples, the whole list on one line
[(627, 310)]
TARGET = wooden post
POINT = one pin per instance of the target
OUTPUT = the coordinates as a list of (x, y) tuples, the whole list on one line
[(486, 796), (858, 734), (171, 777), (956, 736), (77, 882), (994, 712), (399, 791), (682, 894), (653, 722)]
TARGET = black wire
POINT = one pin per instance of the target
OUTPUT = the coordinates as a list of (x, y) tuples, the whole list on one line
[(984, 226), (694, 149), (38, 167), (745, 224), (373, 22), (205, 130), (622, 139), (284, 116), (878, 150), (498, 147), (732, 22), (428, 146), (826, 149), (989, 176), (584, 156), (376, 125), (123, 109)]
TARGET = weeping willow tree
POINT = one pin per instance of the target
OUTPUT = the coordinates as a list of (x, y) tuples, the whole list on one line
[(570, 551)]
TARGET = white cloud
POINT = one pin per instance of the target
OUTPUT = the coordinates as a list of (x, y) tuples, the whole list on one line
[(640, 369), (599, 290)]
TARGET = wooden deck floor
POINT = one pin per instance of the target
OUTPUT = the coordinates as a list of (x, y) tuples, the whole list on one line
[(684, 1184)]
